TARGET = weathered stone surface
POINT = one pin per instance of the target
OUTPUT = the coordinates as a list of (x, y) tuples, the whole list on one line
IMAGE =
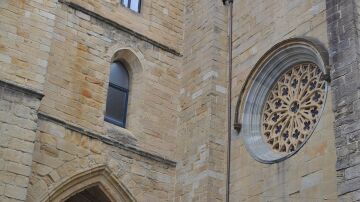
[(177, 102), (343, 29), (17, 141), (78, 71), (137, 172), (310, 174), (201, 138), (311, 180)]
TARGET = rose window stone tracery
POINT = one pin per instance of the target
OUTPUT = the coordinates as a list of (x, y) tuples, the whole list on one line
[(291, 110)]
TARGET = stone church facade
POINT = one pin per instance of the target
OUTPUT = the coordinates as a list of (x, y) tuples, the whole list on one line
[(295, 103)]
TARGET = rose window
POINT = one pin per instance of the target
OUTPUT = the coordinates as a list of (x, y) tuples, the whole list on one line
[(282, 100), (291, 110)]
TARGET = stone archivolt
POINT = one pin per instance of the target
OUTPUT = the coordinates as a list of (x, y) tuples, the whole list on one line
[(292, 108)]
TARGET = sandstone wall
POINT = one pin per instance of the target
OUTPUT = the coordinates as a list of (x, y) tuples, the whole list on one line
[(18, 123), (310, 174), (161, 21), (177, 105), (26, 32), (201, 138), (62, 152), (78, 73), (343, 29), (64, 49)]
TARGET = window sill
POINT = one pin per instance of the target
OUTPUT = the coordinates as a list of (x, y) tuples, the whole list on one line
[(138, 13), (120, 134)]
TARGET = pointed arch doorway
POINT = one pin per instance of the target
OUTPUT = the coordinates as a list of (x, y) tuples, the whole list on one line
[(94, 185), (92, 194)]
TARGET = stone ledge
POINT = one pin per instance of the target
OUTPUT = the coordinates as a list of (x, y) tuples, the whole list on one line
[(107, 140), (21, 89), (119, 134), (120, 27)]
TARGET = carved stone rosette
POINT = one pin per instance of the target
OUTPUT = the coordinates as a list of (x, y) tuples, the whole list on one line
[(292, 107)]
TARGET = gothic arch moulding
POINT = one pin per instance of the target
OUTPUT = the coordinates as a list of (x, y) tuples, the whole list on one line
[(100, 176), (133, 60), (282, 99)]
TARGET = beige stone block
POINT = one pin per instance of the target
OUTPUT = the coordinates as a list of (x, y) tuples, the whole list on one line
[(72, 137), (21, 145), (15, 192), (47, 160), (2, 164), (5, 58), (18, 168), (67, 169), (41, 170), (66, 156), (138, 170), (67, 147), (85, 142), (13, 155), (2, 189), (49, 150), (7, 178), (48, 139), (21, 181), (96, 146), (52, 129), (54, 176)]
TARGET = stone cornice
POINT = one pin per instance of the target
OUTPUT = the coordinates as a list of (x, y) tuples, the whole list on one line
[(120, 27), (21, 89), (108, 141)]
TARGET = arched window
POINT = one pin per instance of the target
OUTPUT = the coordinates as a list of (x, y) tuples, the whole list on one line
[(118, 93)]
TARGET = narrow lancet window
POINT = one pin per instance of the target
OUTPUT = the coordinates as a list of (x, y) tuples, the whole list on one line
[(118, 93)]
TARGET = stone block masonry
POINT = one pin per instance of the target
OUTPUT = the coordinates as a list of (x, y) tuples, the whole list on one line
[(18, 124), (202, 129), (77, 78), (160, 21), (63, 151), (310, 174), (66, 53), (176, 54), (26, 33), (343, 31)]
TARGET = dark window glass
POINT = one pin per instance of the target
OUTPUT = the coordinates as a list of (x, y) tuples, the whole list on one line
[(117, 98), (132, 4), (119, 76)]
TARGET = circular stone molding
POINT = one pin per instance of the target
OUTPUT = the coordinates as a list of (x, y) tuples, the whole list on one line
[(283, 102)]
